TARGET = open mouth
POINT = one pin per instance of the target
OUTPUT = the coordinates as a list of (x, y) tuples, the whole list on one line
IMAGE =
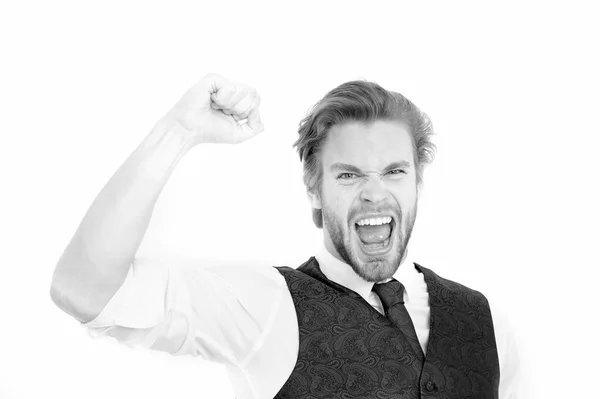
[(375, 234)]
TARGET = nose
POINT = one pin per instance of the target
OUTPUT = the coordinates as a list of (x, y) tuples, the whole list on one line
[(374, 190)]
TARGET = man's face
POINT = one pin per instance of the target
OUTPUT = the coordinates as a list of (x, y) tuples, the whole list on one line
[(368, 195)]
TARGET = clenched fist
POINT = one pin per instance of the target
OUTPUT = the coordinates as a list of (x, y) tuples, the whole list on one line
[(216, 110)]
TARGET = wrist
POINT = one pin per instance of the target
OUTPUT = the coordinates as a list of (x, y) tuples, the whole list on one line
[(171, 129)]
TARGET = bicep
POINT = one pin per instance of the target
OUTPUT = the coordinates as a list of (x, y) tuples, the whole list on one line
[(218, 313), (142, 313), (232, 308)]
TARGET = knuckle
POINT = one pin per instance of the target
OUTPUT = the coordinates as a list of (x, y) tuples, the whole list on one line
[(224, 95), (238, 110)]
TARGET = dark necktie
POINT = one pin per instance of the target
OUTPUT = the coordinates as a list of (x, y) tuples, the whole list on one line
[(392, 298)]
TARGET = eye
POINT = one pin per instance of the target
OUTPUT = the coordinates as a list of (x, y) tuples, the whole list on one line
[(346, 176), (397, 172)]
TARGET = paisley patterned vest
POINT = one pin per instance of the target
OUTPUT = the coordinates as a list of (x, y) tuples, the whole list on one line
[(349, 350)]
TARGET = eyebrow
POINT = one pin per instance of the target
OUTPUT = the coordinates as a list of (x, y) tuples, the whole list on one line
[(351, 168)]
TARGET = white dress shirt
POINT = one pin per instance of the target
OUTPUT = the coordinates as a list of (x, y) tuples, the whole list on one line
[(244, 318)]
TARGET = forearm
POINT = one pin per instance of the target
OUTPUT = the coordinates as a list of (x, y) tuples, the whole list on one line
[(96, 261)]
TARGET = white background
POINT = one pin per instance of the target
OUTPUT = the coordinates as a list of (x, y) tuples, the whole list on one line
[(510, 205)]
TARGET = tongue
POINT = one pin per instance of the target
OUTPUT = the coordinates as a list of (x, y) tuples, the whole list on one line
[(373, 234)]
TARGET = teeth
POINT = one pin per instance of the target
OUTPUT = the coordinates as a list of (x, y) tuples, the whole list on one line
[(375, 221)]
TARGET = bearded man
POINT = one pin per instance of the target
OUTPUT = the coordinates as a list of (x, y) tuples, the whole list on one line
[(358, 320)]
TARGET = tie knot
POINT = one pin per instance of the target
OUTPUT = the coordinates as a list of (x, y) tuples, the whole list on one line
[(390, 293)]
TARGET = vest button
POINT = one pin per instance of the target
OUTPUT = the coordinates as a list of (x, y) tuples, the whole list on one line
[(430, 386)]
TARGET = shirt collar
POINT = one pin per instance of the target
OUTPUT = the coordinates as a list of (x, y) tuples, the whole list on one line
[(341, 273)]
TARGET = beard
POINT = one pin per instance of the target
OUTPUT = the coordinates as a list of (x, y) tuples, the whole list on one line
[(373, 268)]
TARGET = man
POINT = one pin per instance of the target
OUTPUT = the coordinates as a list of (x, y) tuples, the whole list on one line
[(358, 320)]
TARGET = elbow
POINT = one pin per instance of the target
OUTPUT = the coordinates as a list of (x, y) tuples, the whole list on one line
[(65, 288), (81, 289), (74, 307), (59, 298), (55, 295)]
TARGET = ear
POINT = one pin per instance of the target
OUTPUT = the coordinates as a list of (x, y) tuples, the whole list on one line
[(314, 199)]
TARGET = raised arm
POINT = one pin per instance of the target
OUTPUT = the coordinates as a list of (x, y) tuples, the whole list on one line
[(98, 257)]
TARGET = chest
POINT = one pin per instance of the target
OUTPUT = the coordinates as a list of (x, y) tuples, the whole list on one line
[(350, 350)]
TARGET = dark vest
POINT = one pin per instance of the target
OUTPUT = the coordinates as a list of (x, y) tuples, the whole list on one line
[(349, 350)]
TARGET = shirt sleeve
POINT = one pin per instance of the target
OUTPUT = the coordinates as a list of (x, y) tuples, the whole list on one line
[(183, 309), (508, 355)]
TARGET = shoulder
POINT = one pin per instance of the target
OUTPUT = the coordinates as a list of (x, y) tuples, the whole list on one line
[(251, 275), (304, 271), (443, 289), (246, 281), (431, 276)]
